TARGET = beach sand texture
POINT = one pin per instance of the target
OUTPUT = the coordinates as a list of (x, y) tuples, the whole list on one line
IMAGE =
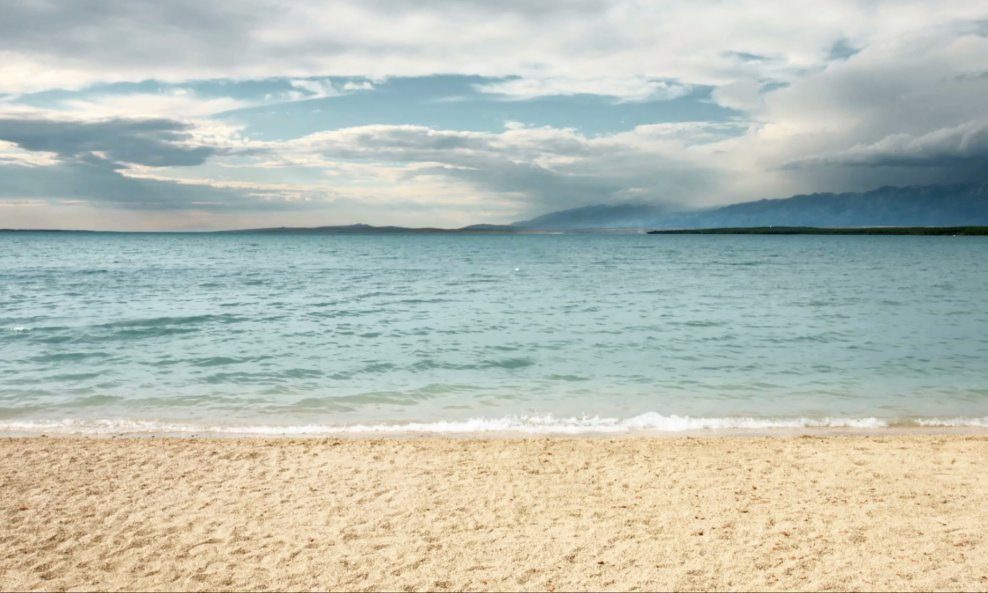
[(831, 513)]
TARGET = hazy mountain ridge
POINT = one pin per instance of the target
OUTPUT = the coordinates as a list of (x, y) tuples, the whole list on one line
[(602, 216), (913, 206), (363, 229), (931, 205)]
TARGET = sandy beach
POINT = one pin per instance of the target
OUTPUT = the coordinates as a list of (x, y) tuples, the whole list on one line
[(828, 513)]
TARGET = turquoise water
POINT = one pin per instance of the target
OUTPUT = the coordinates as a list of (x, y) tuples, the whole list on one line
[(300, 333)]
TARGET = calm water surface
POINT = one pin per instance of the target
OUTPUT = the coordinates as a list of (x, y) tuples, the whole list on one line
[(310, 333)]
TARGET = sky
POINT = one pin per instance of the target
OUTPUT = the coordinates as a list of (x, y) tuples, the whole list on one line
[(192, 115)]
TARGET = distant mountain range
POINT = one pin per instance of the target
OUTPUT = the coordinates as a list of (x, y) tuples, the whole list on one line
[(365, 229), (591, 217), (930, 205), (914, 206)]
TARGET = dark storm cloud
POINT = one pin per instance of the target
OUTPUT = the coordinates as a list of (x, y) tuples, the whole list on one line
[(92, 157), (946, 156), (82, 181), (151, 142), (946, 147)]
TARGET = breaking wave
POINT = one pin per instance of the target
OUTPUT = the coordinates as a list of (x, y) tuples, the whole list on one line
[(540, 425)]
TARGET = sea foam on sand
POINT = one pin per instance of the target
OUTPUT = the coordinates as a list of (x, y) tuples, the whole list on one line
[(532, 425)]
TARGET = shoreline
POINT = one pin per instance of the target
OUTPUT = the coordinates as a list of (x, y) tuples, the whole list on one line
[(647, 425), (872, 512)]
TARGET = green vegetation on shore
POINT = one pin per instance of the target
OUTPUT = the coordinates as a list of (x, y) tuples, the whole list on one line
[(808, 230)]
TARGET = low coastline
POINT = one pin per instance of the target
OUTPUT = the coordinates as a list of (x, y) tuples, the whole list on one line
[(880, 511)]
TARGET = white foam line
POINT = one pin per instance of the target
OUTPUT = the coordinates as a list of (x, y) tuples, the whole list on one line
[(649, 422)]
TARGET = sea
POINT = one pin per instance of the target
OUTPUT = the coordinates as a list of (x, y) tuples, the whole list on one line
[(432, 333)]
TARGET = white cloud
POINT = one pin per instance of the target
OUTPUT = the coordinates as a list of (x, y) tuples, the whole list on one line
[(521, 169), (742, 94), (12, 154), (555, 48), (365, 85), (626, 89), (176, 103), (908, 107), (315, 88)]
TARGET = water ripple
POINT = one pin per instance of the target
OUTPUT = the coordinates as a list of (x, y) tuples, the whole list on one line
[(342, 330)]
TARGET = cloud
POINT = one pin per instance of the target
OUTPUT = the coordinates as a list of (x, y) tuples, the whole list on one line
[(84, 182), (194, 99), (908, 111), (610, 47), (627, 89), (868, 92), (364, 85), (314, 89), (93, 161), (742, 95), (114, 142), (174, 103), (943, 147), (526, 169)]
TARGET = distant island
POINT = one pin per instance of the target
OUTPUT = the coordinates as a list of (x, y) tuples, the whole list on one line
[(804, 230)]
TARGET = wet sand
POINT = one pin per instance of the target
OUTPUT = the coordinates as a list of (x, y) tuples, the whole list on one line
[(890, 512)]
